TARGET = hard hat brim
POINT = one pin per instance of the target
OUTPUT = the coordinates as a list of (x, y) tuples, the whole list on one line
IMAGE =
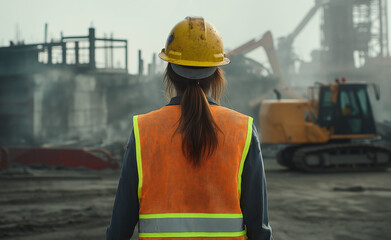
[(182, 62)]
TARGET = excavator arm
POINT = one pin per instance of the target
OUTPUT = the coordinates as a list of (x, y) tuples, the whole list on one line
[(266, 41)]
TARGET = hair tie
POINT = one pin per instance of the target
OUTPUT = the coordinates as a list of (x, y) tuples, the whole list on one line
[(193, 82)]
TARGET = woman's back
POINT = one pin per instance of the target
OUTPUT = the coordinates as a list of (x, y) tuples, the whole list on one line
[(211, 187)]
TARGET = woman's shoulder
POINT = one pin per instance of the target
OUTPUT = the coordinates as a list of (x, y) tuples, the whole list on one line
[(227, 112), (164, 112), (230, 117)]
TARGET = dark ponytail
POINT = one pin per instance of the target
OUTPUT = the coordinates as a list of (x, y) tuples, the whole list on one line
[(196, 124)]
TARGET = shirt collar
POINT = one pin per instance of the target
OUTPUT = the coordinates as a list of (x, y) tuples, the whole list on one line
[(177, 101)]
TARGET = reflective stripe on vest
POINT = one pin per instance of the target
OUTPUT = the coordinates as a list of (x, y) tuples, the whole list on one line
[(191, 225), (178, 200)]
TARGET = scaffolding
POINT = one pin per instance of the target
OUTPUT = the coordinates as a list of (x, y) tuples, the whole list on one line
[(354, 30), (370, 18), (83, 52)]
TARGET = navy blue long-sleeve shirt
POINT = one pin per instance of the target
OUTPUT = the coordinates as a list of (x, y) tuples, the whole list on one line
[(253, 197)]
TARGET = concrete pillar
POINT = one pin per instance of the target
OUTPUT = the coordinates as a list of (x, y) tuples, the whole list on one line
[(91, 38), (126, 56), (153, 70), (140, 64), (77, 60), (50, 54), (64, 52)]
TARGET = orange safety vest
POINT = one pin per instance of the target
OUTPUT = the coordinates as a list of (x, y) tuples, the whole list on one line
[(178, 200)]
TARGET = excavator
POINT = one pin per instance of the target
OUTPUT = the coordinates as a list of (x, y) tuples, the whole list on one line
[(323, 134)]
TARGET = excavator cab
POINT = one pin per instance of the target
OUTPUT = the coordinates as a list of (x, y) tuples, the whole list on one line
[(345, 109)]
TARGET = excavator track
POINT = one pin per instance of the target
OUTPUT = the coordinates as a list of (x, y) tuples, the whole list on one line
[(284, 156), (348, 157)]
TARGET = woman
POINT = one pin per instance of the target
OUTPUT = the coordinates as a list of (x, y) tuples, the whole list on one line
[(193, 169)]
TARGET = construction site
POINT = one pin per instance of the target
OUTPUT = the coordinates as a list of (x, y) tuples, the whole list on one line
[(66, 107)]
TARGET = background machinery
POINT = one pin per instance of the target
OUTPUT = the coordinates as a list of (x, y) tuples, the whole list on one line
[(333, 131), (323, 133)]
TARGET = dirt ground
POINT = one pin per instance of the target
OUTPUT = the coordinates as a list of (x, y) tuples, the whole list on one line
[(77, 204)]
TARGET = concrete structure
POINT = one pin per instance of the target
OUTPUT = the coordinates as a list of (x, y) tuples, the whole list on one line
[(53, 93)]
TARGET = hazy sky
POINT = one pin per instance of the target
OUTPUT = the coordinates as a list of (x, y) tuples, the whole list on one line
[(146, 23)]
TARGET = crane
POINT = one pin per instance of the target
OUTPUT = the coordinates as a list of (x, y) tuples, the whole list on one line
[(285, 44)]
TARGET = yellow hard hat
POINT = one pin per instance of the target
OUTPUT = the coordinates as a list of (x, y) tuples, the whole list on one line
[(194, 42)]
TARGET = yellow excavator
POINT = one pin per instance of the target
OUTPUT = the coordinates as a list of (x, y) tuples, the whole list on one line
[(323, 133)]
